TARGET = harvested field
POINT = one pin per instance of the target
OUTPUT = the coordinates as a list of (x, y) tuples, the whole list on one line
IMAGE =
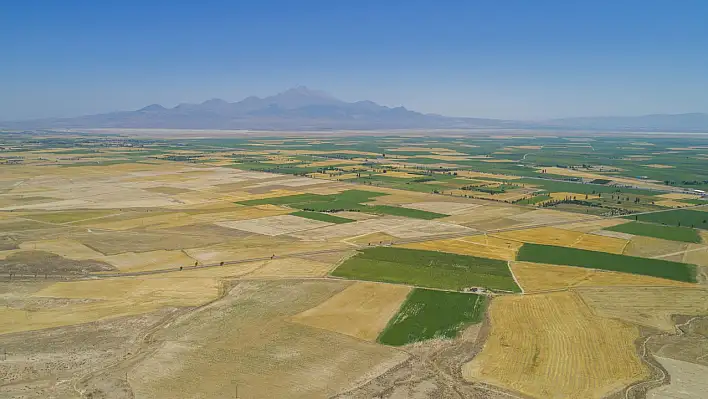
[(672, 204), (114, 242), (109, 298), (245, 340), (447, 208), (394, 226), (372, 238), (141, 261), (687, 381), (292, 267), (539, 277), (322, 217), (646, 306), (481, 246), (67, 216), (430, 269), (649, 247), (362, 310), (258, 247), (591, 226), (542, 216), (597, 354), (566, 238), (275, 225), (40, 262), (679, 196), (69, 249)]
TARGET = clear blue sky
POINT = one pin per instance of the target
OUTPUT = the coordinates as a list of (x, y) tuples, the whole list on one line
[(499, 58)]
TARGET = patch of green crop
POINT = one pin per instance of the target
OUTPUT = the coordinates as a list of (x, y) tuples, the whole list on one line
[(429, 314), (607, 261), (674, 233), (323, 217), (677, 217), (400, 211), (430, 269)]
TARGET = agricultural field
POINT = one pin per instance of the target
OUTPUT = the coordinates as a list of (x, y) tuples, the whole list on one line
[(685, 234), (306, 265), (431, 269), (607, 261), (428, 314)]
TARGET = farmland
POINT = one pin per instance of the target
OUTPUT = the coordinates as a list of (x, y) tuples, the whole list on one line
[(674, 233), (428, 314), (196, 264), (606, 261), (429, 269)]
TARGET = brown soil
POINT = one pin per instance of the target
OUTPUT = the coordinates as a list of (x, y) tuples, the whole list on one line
[(40, 262)]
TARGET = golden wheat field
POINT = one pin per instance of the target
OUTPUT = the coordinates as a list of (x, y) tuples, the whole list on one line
[(563, 350)]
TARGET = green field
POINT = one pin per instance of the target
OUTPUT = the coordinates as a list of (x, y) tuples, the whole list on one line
[(350, 200), (606, 261), (677, 217), (323, 217), (674, 233), (428, 314), (430, 269)]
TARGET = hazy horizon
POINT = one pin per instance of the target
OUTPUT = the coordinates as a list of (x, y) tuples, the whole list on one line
[(519, 60)]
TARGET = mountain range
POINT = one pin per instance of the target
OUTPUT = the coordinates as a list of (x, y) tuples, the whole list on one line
[(301, 108)]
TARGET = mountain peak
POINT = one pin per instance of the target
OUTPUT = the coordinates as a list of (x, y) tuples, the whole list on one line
[(305, 91), (215, 101), (152, 108)]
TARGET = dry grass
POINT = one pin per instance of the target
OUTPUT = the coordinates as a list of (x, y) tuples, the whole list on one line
[(291, 267), (553, 346), (245, 342), (362, 310), (672, 204), (647, 306), (275, 225), (539, 277), (108, 298), (63, 247), (687, 381), (649, 247), (482, 246), (141, 261), (566, 238)]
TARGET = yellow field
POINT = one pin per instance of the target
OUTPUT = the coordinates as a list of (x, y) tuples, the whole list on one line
[(401, 175), (160, 259), (679, 196), (112, 298), (481, 246), (659, 166), (63, 247), (373, 238), (647, 306), (472, 174), (499, 160), (291, 267), (593, 225), (672, 204), (539, 277), (553, 346), (362, 310), (566, 238)]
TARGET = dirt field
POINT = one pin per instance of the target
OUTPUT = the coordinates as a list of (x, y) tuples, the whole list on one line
[(646, 306), (133, 262), (105, 299), (648, 247), (244, 342), (687, 381), (447, 208), (275, 225), (362, 310), (539, 277), (597, 354)]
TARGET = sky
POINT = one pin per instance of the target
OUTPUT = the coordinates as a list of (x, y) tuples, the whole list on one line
[(513, 59)]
